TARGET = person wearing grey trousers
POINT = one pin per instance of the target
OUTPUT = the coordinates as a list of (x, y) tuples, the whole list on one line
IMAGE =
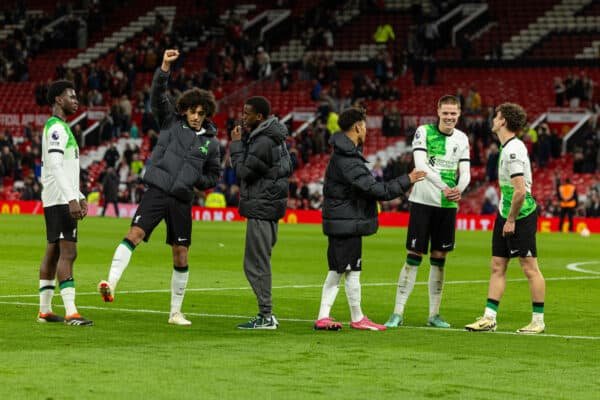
[(262, 165)]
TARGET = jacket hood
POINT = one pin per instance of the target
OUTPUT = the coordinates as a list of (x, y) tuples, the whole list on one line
[(271, 127), (343, 145)]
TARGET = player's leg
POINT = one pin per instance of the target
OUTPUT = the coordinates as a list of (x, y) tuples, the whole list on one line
[(178, 219), (442, 242), (64, 273), (148, 214), (525, 232), (179, 280), (417, 241), (47, 284), (352, 263), (498, 266), (330, 288), (261, 236)]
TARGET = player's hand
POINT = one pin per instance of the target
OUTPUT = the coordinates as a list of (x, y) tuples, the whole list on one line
[(509, 228), (452, 194), (416, 175), (75, 209), (236, 134), (169, 56), (84, 208)]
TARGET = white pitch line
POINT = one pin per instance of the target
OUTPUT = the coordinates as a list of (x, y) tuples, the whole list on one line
[(575, 267), (563, 278), (231, 316)]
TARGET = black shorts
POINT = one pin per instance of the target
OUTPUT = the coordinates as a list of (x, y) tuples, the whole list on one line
[(59, 224), (521, 244), (344, 253), (155, 206), (429, 223)]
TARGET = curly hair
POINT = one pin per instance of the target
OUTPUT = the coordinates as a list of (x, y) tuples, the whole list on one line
[(57, 88), (351, 116), (514, 114), (197, 97)]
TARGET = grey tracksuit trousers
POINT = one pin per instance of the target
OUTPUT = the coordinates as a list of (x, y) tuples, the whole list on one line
[(261, 236)]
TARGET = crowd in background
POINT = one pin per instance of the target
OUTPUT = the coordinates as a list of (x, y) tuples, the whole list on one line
[(236, 57)]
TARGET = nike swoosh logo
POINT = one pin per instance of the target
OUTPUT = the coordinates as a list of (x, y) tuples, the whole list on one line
[(514, 251), (181, 239), (446, 246)]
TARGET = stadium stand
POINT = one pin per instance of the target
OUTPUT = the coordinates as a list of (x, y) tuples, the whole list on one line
[(333, 62)]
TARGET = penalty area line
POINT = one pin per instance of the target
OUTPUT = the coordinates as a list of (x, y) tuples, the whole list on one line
[(232, 316)]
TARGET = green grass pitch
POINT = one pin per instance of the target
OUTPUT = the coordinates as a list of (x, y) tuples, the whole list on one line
[(132, 353)]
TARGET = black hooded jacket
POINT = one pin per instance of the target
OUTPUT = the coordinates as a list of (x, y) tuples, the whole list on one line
[(182, 158), (351, 192), (262, 164)]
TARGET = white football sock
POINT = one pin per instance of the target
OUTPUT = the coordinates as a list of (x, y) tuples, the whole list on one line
[(406, 283), (537, 317), (353, 295), (178, 283), (120, 261), (490, 313), (68, 297), (436, 285), (329, 293), (46, 294)]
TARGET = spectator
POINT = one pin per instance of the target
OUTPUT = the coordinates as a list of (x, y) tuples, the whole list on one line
[(592, 208), (392, 122), (111, 156), (490, 202), (567, 195), (110, 190), (8, 162), (285, 78), (491, 168), (384, 34)]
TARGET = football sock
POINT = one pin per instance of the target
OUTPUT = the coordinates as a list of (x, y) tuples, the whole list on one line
[(46, 294), (120, 261), (538, 312), (406, 281), (436, 284), (67, 292), (329, 293), (491, 308), (353, 295), (179, 281)]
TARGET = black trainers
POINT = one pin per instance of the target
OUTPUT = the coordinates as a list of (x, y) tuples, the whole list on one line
[(260, 322), (49, 317), (78, 320)]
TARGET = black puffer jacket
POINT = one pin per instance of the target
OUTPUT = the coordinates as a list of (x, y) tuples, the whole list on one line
[(263, 165), (182, 158), (351, 192)]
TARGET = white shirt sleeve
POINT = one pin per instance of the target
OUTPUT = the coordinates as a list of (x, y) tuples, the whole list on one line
[(464, 170), (515, 161)]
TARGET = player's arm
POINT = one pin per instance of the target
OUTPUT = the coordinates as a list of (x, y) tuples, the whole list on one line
[(361, 179), (212, 167), (518, 183), (162, 107), (251, 163), (419, 145), (420, 157)]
